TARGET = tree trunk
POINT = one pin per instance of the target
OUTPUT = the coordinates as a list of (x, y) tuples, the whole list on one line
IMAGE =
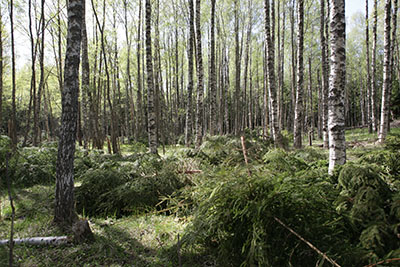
[(324, 77), (298, 115), (12, 123), (107, 92), (383, 128), (293, 50), (373, 78), (188, 125), (237, 69), (200, 82), (276, 136), (213, 79), (368, 98), (139, 114), (336, 121), (64, 213), (151, 122), (392, 49)]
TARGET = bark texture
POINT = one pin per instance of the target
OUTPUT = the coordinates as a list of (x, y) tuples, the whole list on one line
[(64, 207), (213, 79), (151, 123), (368, 98), (270, 54), (189, 104), (298, 114), (383, 127), (336, 122), (200, 81), (373, 65), (324, 78)]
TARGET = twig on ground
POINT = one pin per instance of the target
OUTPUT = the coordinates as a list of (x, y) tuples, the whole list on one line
[(308, 243)]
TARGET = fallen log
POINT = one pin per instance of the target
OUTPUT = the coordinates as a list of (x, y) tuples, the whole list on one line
[(51, 240)]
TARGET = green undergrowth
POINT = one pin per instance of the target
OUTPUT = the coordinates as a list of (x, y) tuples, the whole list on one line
[(148, 240), (127, 185), (225, 212), (352, 216)]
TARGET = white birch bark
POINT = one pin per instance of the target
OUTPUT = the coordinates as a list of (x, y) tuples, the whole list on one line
[(336, 118)]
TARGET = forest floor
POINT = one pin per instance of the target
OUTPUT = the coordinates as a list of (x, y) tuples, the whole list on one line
[(149, 239)]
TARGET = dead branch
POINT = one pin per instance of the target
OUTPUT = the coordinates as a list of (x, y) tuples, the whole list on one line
[(384, 261), (52, 240), (245, 154), (308, 243)]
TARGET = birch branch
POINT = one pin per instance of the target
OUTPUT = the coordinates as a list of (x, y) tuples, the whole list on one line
[(52, 240)]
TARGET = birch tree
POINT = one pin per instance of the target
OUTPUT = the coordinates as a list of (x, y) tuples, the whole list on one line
[(383, 127), (151, 123), (64, 213), (336, 115), (200, 73), (298, 115), (188, 123)]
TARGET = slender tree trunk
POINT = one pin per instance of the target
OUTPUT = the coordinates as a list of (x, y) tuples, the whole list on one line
[(247, 56), (373, 78), (392, 49), (368, 98), (188, 126), (12, 123), (237, 68), (89, 132), (336, 122), (281, 66), (213, 79), (324, 77), (151, 123), (276, 136), (383, 128), (139, 114), (319, 105), (200, 81), (293, 50), (36, 120), (156, 73), (298, 115), (64, 213), (114, 142)]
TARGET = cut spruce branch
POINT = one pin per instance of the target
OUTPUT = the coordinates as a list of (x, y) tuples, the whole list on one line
[(308, 243), (51, 240)]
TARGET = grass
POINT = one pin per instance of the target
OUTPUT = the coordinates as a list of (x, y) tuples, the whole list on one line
[(147, 240)]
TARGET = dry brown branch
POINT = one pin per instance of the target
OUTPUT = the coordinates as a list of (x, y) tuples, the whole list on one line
[(384, 261), (308, 243), (245, 154)]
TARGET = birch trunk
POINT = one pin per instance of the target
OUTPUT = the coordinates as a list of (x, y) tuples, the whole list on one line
[(298, 115), (213, 79), (373, 77), (383, 127), (270, 65), (64, 197), (151, 122), (324, 78), (200, 82), (189, 104), (336, 119)]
